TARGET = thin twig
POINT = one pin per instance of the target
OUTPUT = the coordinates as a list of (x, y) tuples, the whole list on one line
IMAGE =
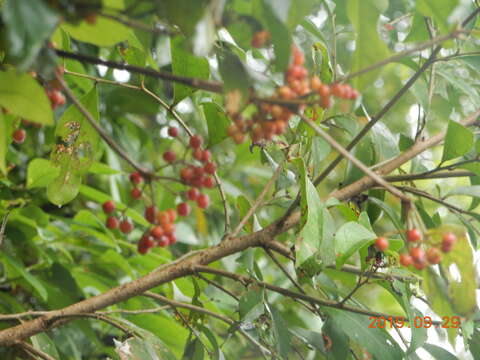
[(218, 286), (429, 175)]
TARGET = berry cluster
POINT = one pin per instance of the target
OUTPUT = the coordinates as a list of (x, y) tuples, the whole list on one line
[(196, 174), (416, 256), (272, 119), (420, 258)]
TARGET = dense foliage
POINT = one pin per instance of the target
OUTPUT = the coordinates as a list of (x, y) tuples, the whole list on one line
[(239, 179)]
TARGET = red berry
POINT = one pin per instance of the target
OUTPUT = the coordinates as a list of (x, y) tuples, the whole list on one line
[(417, 254), (414, 235), (157, 232), (203, 201), (150, 213), (126, 226), (108, 207), (183, 209), (192, 194), (198, 172), (173, 131), (112, 222), (169, 228), (172, 215), (434, 256), (19, 136), (198, 182), (298, 58), (198, 154), (163, 241), (381, 244), (136, 193), (145, 243), (148, 240), (196, 141), (315, 83), (56, 98), (449, 239), (353, 94), (206, 156), (142, 248), (136, 178), (209, 182), (169, 156), (406, 260), (285, 92), (338, 90), (187, 174), (419, 264), (163, 218), (172, 239), (210, 167)]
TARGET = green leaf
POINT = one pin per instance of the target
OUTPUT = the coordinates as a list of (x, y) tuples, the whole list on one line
[(105, 32), (418, 29), (281, 37), (281, 333), (234, 74), (350, 238), (243, 205), (321, 60), (147, 347), (217, 122), (298, 10), (438, 352), (183, 13), (369, 48), (43, 343), (356, 327), (22, 95), (365, 152), (6, 130), (250, 306), (76, 153), (438, 10), (473, 191), (40, 172), (311, 224), (184, 63), (32, 280), (28, 23), (458, 141)]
